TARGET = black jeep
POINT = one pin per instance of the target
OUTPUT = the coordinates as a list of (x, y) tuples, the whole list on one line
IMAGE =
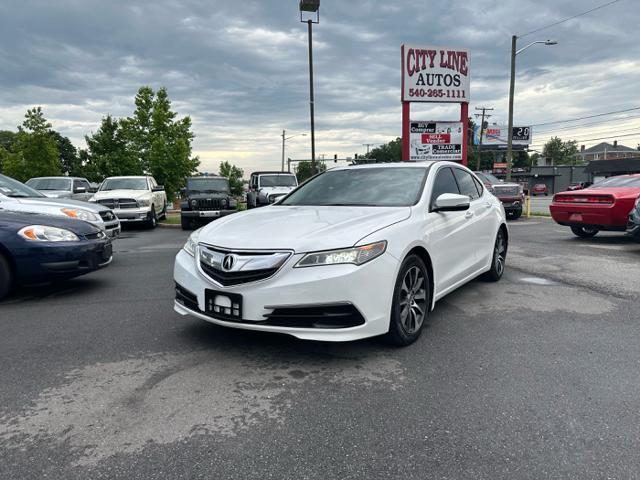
[(204, 199)]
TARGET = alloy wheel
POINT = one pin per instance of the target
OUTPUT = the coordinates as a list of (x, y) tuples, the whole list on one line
[(413, 300), (500, 253)]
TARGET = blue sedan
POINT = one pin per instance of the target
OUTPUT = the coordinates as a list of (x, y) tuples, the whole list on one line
[(38, 248)]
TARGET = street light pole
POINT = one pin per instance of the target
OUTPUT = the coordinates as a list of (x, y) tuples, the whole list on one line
[(283, 139), (311, 6), (311, 99), (512, 84), (514, 53)]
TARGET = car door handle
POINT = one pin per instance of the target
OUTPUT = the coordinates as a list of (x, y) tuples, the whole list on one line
[(469, 214)]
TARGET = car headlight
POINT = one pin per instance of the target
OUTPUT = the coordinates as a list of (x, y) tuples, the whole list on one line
[(194, 203), (224, 203), (80, 214), (192, 243), (355, 255), (143, 202), (92, 200), (42, 233)]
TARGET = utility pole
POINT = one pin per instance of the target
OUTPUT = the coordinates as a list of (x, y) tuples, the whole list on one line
[(514, 43), (484, 110), (368, 145), (283, 138)]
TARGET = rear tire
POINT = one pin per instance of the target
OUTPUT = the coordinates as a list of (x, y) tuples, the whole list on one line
[(516, 215), (411, 302), (6, 277), (499, 258), (584, 232)]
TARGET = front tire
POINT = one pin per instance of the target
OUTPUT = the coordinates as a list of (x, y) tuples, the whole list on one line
[(185, 223), (411, 302), (251, 200), (153, 218), (6, 278), (498, 261), (584, 232)]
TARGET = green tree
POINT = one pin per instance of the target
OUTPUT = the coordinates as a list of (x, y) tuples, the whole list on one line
[(304, 170), (561, 153), (108, 153), (7, 138), (160, 142), (69, 160), (388, 152), (35, 152), (234, 175)]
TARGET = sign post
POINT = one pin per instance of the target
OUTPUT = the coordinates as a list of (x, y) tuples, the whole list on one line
[(436, 75)]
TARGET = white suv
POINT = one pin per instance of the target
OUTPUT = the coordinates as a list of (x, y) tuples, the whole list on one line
[(266, 188), (133, 199)]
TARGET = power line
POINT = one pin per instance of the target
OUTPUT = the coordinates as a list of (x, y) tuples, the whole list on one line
[(603, 138), (584, 118), (571, 127), (569, 18)]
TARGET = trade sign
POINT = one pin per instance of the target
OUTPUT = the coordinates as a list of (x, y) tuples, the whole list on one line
[(435, 74), (435, 141), (496, 136)]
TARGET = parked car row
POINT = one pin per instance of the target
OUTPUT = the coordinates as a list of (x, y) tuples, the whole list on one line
[(61, 227)]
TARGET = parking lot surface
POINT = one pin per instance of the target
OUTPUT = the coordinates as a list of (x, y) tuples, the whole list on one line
[(537, 376)]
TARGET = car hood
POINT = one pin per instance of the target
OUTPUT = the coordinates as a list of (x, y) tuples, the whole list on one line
[(55, 193), (136, 194), (275, 190), (45, 204), (16, 220), (300, 228)]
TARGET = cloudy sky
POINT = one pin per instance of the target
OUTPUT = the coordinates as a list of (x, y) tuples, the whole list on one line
[(239, 68)]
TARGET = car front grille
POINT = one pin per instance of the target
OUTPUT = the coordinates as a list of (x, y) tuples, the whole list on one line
[(107, 215), (228, 267), (209, 204), (119, 203)]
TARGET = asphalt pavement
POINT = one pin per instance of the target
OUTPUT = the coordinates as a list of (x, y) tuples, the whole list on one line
[(537, 376)]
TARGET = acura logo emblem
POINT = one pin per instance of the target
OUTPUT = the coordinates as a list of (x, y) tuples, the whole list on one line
[(228, 261)]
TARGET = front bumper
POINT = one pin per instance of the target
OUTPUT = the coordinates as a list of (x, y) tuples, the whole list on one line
[(206, 214), (368, 288), (127, 215), (49, 262)]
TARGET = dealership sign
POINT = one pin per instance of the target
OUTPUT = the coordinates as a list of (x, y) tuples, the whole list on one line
[(496, 136), (435, 74), (435, 141)]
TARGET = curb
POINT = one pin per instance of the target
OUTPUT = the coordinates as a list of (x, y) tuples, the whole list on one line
[(169, 225)]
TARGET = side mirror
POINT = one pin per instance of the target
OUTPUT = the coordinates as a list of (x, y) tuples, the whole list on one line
[(159, 188), (451, 202), (183, 192), (80, 190)]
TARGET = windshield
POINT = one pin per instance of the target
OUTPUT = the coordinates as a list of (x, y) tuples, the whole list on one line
[(278, 181), (124, 184), (371, 187), (12, 188), (208, 185), (618, 182), (50, 183)]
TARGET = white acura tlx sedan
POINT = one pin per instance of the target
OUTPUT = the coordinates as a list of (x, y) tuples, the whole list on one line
[(354, 252)]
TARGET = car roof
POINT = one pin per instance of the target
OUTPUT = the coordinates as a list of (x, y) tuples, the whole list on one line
[(272, 173), (130, 176), (198, 177), (57, 176)]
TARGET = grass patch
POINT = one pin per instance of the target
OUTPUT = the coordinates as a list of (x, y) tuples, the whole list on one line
[(172, 219)]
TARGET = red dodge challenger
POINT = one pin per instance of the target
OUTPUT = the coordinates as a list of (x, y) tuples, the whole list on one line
[(603, 206)]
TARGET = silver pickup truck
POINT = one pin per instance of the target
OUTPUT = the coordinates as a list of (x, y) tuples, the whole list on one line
[(75, 188), (18, 197)]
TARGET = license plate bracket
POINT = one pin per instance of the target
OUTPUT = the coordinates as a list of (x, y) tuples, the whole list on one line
[(210, 213), (223, 305)]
